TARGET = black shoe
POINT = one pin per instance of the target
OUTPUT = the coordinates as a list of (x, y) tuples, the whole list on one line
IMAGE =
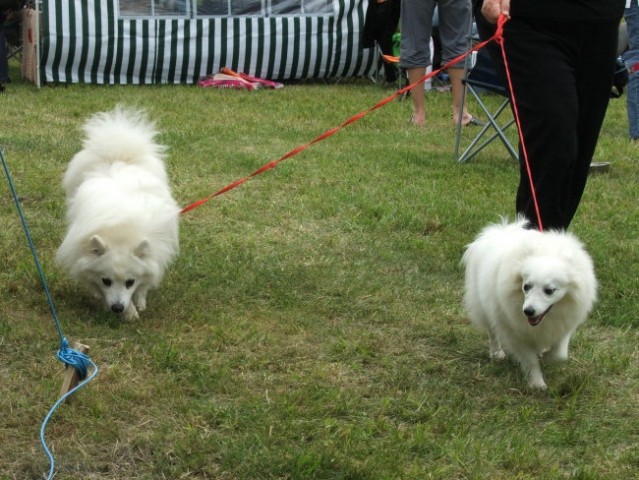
[(1, 88), (599, 167)]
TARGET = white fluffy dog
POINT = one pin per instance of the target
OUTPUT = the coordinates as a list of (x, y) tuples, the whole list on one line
[(122, 220), (530, 290)]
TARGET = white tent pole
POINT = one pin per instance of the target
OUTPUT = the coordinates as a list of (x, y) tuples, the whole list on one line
[(37, 42)]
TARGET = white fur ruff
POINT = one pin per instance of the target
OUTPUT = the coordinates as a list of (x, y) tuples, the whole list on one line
[(530, 291), (122, 219)]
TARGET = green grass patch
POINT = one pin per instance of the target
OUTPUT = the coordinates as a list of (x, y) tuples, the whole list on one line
[(312, 326)]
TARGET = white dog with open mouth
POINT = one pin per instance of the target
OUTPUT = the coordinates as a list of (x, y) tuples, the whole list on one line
[(122, 219), (530, 290)]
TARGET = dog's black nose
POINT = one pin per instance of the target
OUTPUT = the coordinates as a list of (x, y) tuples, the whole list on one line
[(117, 308), (529, 312)]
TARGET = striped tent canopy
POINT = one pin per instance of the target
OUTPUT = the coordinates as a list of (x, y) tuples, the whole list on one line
[(181, 41)]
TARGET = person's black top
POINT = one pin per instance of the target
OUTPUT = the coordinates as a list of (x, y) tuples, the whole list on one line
[(569, 10)]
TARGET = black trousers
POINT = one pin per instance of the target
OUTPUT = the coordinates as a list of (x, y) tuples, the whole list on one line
[(380, 26), (4, 62), (562, 76)]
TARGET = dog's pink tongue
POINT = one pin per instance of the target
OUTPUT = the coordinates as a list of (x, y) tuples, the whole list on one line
[(534, 321)]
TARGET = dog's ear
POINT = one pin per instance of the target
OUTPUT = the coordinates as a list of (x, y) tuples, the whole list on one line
[(510, 277), (142, 250), (97, 246), (516, 272), (517, 280), (567, 254)]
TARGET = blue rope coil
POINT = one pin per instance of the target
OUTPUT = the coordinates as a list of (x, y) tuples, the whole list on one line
[(70, 357), (74, 358)]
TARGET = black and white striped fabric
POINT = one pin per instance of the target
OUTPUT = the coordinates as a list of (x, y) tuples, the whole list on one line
[(92, 41)]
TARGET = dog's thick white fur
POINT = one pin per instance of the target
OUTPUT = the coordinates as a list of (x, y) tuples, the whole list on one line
[(122, 219), (530, 290)]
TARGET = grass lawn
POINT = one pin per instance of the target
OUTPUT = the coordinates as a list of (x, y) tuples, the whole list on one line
[(312, 326)]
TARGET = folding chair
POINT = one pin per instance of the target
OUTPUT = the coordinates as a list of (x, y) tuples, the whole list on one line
[(481, 78)]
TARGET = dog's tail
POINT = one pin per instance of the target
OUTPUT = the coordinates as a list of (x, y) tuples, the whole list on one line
[(123, 134), (120, 136)]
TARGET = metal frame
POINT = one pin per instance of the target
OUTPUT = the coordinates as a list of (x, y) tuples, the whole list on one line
[(473, 149), (472, 86)]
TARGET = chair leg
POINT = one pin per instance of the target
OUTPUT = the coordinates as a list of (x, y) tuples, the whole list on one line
[(467, 67), (499, 130), (475, 146)]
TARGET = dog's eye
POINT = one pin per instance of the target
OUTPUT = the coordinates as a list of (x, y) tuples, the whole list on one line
[(129, 283), (106, 282), (549, 290), (527, 287)]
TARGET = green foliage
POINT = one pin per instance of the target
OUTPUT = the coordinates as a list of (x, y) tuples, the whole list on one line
[(311, 327)]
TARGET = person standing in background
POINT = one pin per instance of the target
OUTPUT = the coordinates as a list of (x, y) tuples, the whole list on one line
[(382, 17), (561, 56), (416, 23), (631, 60), (4, 61)]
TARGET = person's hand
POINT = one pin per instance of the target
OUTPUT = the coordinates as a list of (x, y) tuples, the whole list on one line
[(491, 9)]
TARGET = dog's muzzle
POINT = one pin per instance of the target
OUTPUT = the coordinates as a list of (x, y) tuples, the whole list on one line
[(533, 321)]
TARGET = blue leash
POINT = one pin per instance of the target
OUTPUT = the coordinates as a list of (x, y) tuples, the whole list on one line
[(70, 357)]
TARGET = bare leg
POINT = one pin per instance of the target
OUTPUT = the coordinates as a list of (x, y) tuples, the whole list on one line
[(456, 75), (417, 94)]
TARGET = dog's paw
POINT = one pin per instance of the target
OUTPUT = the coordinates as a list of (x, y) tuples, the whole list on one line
[(131, 313), (559, 352), (140, 304), (537, 384), (498, 354), (556, 357), (139, 299), (538, 387)]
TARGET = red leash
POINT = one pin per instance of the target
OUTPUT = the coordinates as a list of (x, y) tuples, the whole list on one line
[(498, 36)]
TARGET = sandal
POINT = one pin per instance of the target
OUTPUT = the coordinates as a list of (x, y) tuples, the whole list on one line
[(474, 121)]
